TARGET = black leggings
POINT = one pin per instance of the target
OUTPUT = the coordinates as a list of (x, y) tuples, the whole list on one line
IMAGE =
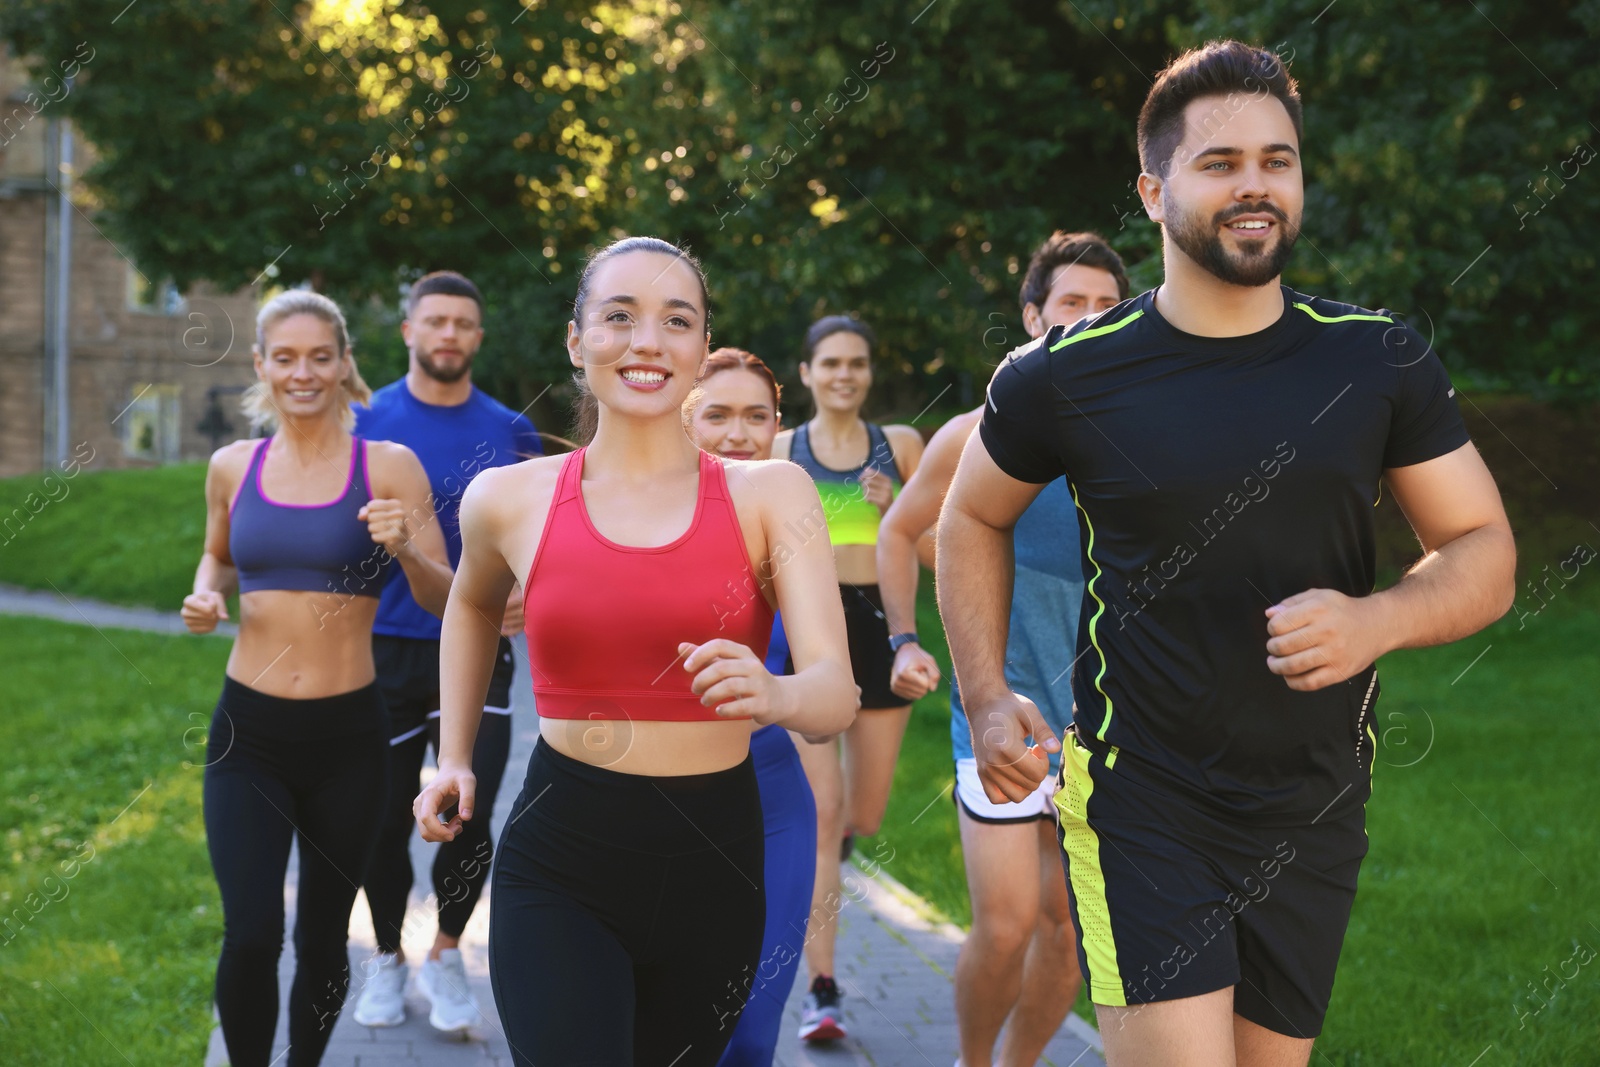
[(461, 867), (628, 913), (277, 769)]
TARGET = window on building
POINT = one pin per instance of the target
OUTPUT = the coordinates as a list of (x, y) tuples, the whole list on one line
[(158, 296), (151, 427)]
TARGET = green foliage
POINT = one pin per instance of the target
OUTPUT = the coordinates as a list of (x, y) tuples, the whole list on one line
[(1437, 133), (899, 160), (864, 158), (355, 145)]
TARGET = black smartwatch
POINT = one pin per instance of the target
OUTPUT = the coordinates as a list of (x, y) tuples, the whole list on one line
[(899, 641)]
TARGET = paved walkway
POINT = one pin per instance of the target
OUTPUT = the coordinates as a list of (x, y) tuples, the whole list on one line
[(52, 605), (894, 961)]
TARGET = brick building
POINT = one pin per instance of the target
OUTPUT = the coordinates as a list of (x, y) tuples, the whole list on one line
[(149, 369)]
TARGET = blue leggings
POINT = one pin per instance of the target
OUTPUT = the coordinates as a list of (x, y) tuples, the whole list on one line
[(790, 815)]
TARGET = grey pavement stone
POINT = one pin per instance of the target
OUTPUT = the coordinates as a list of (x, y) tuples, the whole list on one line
[(15, 600)]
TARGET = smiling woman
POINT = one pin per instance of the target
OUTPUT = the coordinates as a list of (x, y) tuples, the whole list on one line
[(633, 898), (733, 412), (258, 403), (858, 466), (641, 378), (301, 723)]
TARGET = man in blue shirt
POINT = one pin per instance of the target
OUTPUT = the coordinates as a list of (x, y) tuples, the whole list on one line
[(1017, 968), (457, 431)]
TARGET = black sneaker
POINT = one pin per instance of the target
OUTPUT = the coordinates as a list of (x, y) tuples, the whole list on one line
[(820, 1017)]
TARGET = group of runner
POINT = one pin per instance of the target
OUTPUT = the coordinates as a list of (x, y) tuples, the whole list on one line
[(724, 652)]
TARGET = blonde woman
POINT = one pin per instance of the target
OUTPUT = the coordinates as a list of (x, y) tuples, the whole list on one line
[(305, 523)]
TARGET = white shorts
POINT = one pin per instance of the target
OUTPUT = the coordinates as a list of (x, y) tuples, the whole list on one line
[(1040, 804)]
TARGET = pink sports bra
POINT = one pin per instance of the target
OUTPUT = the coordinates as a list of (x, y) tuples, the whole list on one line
[(604, 620)]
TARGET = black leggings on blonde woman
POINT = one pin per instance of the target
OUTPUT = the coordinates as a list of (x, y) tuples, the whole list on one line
[(278, 770), (628, 914)]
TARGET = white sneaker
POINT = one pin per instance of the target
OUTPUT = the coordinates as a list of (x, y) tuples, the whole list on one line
[(444, 982), (382, 1000)]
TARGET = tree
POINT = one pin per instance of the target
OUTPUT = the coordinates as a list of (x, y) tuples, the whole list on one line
[(1435, 133), (901, 161), (1449, 151), (898, 160), (354, 145)]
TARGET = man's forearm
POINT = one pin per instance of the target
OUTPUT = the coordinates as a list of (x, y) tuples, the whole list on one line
[(975, 572), (897, 579), (1453, 592)]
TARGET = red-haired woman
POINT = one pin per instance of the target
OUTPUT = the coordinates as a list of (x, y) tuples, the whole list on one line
[(733, 412)]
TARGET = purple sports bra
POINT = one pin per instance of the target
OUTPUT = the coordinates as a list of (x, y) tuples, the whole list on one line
[(320, 548)]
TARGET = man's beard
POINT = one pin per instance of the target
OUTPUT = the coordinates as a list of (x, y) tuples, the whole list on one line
[(1253, 265), (444, 375)]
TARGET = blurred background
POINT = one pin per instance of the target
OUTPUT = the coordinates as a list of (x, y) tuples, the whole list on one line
[(164, 164)]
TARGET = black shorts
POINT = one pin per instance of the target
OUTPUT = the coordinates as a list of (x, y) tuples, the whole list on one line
[(870, 658), (1172, 901), (408, 674)]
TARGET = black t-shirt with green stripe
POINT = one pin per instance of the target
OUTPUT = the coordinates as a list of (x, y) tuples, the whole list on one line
[(1213, 478)]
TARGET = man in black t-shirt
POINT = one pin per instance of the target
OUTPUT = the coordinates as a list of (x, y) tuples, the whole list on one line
[(1224, 438)]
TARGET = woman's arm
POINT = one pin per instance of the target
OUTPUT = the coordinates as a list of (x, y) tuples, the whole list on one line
[(216, 576), (467, 644), (401, 519), (820, 698)]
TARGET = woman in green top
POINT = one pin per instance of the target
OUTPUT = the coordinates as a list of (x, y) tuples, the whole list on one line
[(857, 466)]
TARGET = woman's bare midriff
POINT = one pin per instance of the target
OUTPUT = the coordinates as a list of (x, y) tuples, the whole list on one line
[(303, 645), (653, 749), (856, 564)]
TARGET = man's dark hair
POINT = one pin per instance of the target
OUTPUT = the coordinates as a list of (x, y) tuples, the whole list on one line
[(1063, 250), (444, 283), (1220, 68)]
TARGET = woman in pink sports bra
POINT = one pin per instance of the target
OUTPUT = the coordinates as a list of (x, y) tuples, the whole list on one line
[(627, 901)]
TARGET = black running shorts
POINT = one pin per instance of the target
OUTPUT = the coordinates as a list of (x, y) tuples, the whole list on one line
[(408, 674), (870, 658), (1173, 901)]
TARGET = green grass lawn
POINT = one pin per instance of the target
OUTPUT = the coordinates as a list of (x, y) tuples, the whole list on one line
[(1485, 855), (130, 537), (111, 919)]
